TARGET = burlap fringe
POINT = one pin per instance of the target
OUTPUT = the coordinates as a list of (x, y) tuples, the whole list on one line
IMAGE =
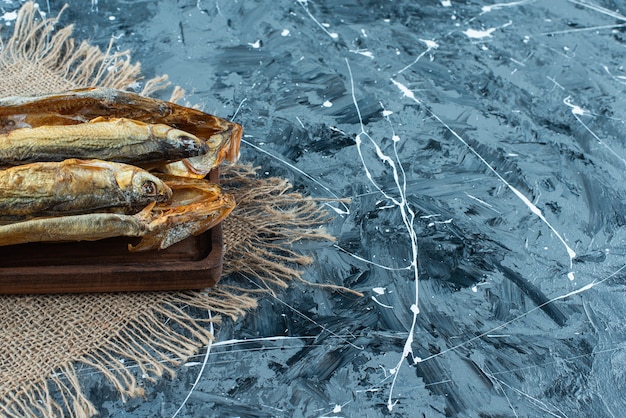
[(36, 46), (258, 241), (269, 218), (152, 343), (37, 401)]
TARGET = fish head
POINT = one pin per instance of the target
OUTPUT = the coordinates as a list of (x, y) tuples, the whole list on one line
[(147, 186), (222, 146), (140, 186), (179, 144)]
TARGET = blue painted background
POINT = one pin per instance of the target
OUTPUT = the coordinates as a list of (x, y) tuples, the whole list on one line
[(504, 124)]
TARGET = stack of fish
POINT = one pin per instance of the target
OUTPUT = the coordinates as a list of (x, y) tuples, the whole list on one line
[(98, 163)]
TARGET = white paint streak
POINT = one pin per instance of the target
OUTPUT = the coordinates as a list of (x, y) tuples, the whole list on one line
[(430, 45), (408, 218), (379, 290), (405, 91), (479, 200), (303, 316), (447, 221), (260, 339), (363, 52), (555, 82), (619, 78), (409, 267), (381, 304), (600, 9), (534, 209), (486, 33), (479, 34), (346, 210), (9, 16), (201, 371), (323, 26), (578, 111), (497, 6), (503, 325)]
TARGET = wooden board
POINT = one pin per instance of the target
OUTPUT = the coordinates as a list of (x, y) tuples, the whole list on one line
[(108, 266)]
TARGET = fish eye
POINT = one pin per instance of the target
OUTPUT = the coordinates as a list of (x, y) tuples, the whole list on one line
[(149, 188)]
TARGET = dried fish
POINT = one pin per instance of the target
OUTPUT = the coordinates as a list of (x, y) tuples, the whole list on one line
[(193, 212), (76, 186), (222, 137), (87, 196), (120, 140), (196, 206), (86, 227)]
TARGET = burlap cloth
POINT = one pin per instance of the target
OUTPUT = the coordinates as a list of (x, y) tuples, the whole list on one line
[(44, 339)]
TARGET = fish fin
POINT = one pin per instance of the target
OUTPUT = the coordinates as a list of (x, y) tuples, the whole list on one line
[(145, 212), (97, 164), (117, 120), (100, 119)]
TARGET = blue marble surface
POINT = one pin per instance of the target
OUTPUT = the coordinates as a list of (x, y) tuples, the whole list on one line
[(485, 141)]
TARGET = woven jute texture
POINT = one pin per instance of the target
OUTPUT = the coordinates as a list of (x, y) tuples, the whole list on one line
[(45, 339)]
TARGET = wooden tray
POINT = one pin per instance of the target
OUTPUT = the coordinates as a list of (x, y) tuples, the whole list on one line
[(108, 266)]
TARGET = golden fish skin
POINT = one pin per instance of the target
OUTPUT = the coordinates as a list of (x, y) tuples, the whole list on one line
[(222, 136), (76, 186), (120, 140), (86, 227), (197, 208)]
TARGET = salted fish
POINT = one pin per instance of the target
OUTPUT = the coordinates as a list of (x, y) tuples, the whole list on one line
[(197, 208), (76, 186), (120, 140), (223, 137)]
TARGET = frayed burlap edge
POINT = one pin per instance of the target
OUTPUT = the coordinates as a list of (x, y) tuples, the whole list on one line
[(42, 59), (257, 240), (153, 340), (258, 236), (158, 331)]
